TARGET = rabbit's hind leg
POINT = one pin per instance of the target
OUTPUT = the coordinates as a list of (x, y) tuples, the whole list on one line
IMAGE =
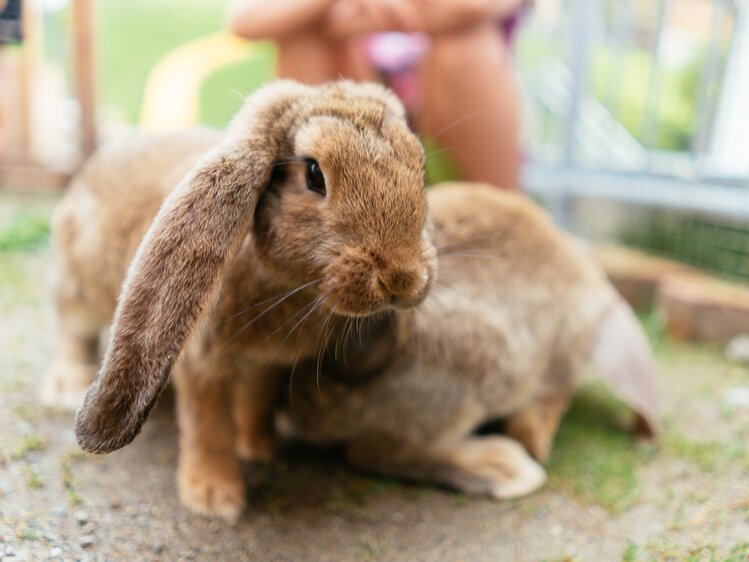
[(76, 359), (535, 425), (495, 465)]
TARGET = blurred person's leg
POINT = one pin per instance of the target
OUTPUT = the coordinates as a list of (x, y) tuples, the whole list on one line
[(471, 105)]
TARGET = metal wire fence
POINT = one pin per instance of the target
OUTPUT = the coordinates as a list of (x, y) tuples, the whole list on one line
[(641, 107)]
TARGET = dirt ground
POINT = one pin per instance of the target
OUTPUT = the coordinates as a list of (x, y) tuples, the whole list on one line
[(607, 498)]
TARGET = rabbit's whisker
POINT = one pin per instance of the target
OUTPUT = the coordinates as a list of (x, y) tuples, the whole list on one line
[(455, 123), (445, 103), (440, 243), (261, 314), (477, 256), (278, 347), (281, 297), (434, 153), (239, 94), (323, 347), (458, 237), (304, 313)]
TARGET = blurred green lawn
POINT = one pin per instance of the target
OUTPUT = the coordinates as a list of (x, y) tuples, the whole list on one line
[(131, 37)]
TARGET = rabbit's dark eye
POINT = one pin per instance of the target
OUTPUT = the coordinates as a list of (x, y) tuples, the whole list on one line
[(315, 178)]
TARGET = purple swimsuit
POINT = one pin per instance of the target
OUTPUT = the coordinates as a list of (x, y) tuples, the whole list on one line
[(396, 56)]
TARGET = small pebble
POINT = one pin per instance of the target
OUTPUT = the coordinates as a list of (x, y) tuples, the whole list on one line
[(86, 541), (82, 517), (737, 396), (738, 348), (9, 552), (55, 552), (60, 511), (157, 548)]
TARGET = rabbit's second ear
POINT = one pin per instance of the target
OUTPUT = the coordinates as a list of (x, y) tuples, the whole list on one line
[(176, 270), (623, 357)]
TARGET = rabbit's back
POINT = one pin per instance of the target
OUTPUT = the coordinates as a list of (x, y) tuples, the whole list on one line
[(517, 303), (506, 259)]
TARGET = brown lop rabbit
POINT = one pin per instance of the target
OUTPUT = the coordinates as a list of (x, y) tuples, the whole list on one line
[(228, 259)]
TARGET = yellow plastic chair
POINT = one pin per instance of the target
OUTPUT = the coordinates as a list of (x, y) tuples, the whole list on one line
[(171, 97)]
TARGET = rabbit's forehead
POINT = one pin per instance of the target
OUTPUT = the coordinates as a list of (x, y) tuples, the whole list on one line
[(339, 142)]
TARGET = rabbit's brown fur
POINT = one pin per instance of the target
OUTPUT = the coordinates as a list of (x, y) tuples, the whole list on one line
[(504, 333), (242, 272)]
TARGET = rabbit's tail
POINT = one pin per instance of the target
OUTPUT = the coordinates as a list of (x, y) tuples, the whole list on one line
[(622, 355)]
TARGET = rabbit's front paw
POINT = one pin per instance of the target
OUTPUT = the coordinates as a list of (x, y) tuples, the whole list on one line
[(65, 384), (212, 488)]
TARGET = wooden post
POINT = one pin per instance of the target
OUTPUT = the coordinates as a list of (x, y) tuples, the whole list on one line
[(29, 25), (83, 63), (19, 169)]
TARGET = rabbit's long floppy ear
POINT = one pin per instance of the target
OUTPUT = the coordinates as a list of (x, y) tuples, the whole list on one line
[(622, 355), (177, 270)]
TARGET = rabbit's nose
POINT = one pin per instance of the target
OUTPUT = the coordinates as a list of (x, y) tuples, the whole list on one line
[(403, 284)]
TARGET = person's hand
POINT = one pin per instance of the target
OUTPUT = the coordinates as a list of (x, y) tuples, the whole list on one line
[(354, 17)]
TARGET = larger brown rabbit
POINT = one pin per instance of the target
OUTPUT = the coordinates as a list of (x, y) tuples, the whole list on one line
[(309, 212)]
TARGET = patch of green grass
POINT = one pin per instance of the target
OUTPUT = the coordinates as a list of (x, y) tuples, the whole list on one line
[(664, 549), (26, 412), (653, 322), (708, 456), (27, 230), (370, 550), (697, 357), (68, 481), (33, 480), (630, 553), (29, 443), (739, 553), (595, 457), (26, 533)]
